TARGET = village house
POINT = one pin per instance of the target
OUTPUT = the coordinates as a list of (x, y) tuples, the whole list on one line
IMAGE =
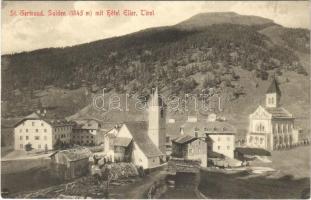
[(271, 126), (190, 147), (41, 132), (105, 137), (71, 163), (147, 138), (84, 132), (220, 135)]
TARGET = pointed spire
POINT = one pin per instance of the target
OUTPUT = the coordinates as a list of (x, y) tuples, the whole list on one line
[(155, 97), (274, 87)]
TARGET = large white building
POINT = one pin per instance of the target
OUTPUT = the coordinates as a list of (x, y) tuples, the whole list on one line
[(147, 148), (41, 132), (271, 126)]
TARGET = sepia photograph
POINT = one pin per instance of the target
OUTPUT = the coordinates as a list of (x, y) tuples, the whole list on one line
[(155, 100)]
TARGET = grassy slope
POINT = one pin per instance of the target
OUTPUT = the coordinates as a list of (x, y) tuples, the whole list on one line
[(294, 162)]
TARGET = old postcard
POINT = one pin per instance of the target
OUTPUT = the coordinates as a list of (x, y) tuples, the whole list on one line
[(155, 99)]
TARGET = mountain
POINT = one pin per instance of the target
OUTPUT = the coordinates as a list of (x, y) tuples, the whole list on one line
[(224, 53), (203, 20)]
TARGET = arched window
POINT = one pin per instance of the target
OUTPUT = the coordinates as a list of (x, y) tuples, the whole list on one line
[(260, 127)]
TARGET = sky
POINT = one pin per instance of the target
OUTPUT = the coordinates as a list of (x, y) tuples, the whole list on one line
[(20, 33)]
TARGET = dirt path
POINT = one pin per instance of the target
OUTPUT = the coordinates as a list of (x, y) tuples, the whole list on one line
[(138, 189)]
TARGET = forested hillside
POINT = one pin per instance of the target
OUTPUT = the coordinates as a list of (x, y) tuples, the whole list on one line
[(203, 52)]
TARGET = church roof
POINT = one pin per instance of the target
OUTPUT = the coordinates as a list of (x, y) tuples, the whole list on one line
[(274, 87), (279, 112), (139, 131)]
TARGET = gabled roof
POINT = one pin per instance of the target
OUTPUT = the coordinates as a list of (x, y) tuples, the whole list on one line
[(122, 141), (184, 139), (139, 131), (279, 112), (52, 122), (274, 87), (89, 124), (213, 127), (74, 154)]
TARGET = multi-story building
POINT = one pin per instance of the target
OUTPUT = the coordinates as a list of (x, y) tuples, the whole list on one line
[(190, 148), (220, 135), (41, 132), (85, 131), (271, 126)]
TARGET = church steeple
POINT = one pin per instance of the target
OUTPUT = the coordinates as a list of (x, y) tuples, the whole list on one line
[(157, 121), (273, 94)]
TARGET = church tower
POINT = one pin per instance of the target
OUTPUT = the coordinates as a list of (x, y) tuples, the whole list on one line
[(273, 95), (157, 121)]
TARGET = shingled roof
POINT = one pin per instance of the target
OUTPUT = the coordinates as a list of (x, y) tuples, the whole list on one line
[(215, 127), (184, 139), (52, 122), (274, 87), (279, 112), (139, 131)]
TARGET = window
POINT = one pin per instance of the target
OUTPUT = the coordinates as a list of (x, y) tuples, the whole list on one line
[(218, 147), (37, 130), (37, 138), (42, 124), (20, 130), (45, 130), (27, 138), (196, 134), (260, 128), (33, 123), (20, 137), (26, 130)]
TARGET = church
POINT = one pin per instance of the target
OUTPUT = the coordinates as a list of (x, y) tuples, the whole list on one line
[(147, 138), (271, 127)]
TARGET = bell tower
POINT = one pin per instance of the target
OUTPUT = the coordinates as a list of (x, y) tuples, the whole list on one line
[(157, 121), (273, 95)]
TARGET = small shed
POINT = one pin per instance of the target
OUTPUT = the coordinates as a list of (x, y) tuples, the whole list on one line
[(71, 163)]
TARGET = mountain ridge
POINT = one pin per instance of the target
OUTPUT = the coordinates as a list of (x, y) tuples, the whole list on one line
[(177, 60)]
